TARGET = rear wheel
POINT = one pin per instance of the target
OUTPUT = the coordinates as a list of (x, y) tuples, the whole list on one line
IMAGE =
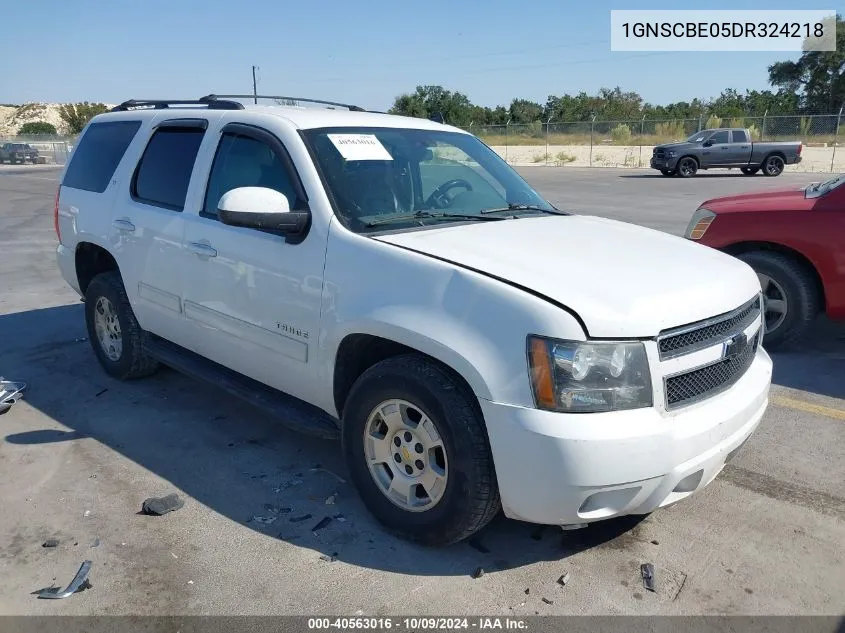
[(417, 451), (749, 171), (790, 299), (687, 167), (773, 166), (113, 331)]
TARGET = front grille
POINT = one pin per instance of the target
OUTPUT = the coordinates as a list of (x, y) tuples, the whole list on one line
[(659, 153), (709, 380), (696, 336)]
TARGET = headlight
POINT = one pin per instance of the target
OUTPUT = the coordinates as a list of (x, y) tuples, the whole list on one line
[(699, 223), (671, 154), (587, 376)]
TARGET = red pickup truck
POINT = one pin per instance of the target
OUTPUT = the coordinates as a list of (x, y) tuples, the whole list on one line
[(795, 240)]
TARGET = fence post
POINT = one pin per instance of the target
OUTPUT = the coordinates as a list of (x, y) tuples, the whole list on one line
[(592, 126), (547, 138), (642, 134), (836, 137), (507, 137), (763, 131), (699, 121)]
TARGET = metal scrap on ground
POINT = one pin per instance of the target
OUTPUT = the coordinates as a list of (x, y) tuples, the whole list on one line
[(10, 393), (647, 572), (79, 583)]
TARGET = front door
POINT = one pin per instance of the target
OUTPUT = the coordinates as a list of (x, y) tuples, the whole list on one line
[(249, 295), (717, 150)]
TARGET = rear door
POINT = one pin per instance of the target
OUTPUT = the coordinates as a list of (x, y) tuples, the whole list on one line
[(717, 153), (739, 150), (147, 224)]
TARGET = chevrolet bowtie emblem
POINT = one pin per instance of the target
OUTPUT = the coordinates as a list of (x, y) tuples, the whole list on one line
[(405, 454), (734, 346)]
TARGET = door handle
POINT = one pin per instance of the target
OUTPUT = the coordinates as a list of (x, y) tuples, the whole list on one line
[(202, 250), (123, 225)]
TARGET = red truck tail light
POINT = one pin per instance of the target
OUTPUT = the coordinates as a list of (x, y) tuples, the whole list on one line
[(56, 214), (800, 147)]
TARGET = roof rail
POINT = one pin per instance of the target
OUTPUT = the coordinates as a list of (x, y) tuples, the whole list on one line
[(211, 104), (352, 108)]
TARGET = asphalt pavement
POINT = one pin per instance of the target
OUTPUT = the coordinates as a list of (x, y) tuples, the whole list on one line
[(81, 452)]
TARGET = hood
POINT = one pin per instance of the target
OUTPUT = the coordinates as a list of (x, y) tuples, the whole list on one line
[(781, 199), (673, 145), (621, 279)]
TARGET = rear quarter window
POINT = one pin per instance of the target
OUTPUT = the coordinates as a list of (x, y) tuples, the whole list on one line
[(164, 172), (98, 153)]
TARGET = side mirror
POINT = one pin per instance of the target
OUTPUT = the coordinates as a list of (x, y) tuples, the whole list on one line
[(260, 208), (707, 143)]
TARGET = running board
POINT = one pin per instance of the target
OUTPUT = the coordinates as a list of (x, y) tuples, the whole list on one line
[(294, 413)]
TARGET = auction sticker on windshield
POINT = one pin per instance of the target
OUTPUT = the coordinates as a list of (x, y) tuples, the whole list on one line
[(360, 147)]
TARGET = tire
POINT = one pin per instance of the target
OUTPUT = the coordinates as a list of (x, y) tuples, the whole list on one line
[(667, 172), (470, 498), (687, 167), (791, 283), (120, 350), (749, 171), (773, 166)]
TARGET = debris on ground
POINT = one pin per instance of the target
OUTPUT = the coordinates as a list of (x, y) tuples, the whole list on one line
[(277, 509), (264, 520), (157, 506), (339, 517), (287, 484), (563, 579), (527, 591), (96, 543), (323, 523), (655, 543), (50, 542), (547, 601), (647, 572), (79, 583), (332, 498), (299, 519), (10, 393), (80, 340), (478, 573), (101, 392), (478, 545), (319, 468), (329, 558), (87, 513)]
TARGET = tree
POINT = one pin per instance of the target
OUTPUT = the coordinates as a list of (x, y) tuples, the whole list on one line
[(524, 111), (77, 115), (818, 77), (428, 101), (37, 127)]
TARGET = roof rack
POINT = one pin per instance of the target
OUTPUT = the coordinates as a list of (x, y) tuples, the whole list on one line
[(215, 98), (210, 103)]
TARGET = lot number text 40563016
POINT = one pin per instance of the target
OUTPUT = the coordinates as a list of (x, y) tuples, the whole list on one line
[(416, 623)]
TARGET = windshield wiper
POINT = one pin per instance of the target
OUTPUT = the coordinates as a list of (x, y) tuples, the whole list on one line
[(428, 215), (522, 207)]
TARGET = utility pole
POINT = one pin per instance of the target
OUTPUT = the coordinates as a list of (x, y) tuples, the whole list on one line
[(254, 86)]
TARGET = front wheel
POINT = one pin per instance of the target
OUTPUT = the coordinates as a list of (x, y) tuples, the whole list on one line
[(687, 167), (790, 298), (417, 451), (773, 166)]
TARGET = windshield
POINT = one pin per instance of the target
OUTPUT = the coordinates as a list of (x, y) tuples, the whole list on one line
[(822, 188), (698, 137), (395, 178)]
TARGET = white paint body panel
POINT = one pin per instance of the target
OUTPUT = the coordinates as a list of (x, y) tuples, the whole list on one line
[(467, 295)]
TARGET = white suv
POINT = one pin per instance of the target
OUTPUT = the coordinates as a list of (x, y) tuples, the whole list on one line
[(393, 282)]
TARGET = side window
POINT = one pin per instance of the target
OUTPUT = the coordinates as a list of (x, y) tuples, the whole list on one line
[(722, 136), (740, 136), (242, 161), (164, 171), (94, 160)]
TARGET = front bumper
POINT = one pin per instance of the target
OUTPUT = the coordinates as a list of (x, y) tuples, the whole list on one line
[(563, 469), (663, 163)]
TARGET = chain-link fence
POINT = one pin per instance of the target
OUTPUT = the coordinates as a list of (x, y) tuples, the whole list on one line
[(630, 143), (50, 149)]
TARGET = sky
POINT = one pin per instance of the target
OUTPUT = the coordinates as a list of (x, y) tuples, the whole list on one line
[(364, 52)]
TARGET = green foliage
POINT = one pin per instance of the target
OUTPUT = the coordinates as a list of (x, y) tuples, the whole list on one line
[(538, 158), (817, 78), (756, 135), (599, 158), (737, 122), (37, 127), (77, 115), (804, 125), (564, 157), (621, 133), (670, 130), (713, 121)]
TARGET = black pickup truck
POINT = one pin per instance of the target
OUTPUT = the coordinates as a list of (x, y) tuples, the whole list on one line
[(18, 153), (725, 147)]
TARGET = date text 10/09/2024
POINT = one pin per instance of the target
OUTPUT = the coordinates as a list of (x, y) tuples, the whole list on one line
[(416, 623)]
